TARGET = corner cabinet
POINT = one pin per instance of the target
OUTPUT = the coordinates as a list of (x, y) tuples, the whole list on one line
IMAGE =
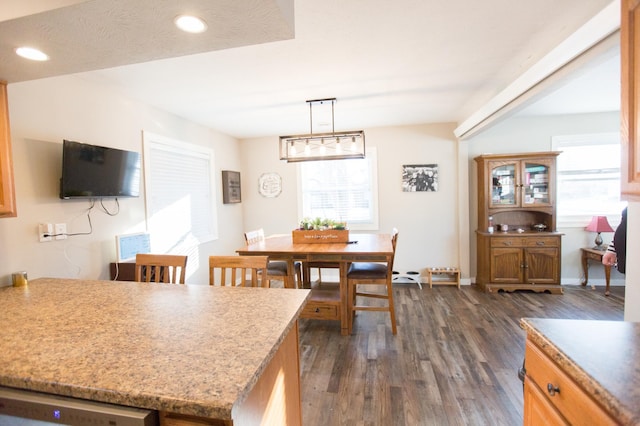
[(518, 190), (7, 192)]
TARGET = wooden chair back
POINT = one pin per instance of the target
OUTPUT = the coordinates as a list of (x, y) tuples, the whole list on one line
[(255, 236), (160, 268), (238, 271)]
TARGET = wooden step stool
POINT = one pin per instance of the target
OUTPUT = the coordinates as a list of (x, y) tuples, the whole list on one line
[(452, 276)]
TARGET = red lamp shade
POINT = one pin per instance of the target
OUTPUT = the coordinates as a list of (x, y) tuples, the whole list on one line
[(599, 224)]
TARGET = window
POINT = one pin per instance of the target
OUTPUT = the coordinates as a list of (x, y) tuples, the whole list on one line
[(588, 177), (345, 190), (180, 199)]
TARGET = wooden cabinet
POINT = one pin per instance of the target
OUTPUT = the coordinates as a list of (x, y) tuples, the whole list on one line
[(519, 183), (552, 397), (524, 262), (7, 191), (630, 107), (518, 190)]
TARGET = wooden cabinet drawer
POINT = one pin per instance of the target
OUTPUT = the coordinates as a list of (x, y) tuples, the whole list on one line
[(541, 242), (524, 241), (321, 310), (569, 399), (506, 242)]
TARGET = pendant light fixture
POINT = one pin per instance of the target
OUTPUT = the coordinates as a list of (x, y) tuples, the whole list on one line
[(322, 146)]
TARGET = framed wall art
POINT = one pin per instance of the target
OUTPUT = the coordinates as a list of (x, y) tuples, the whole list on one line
[(270, 185), (231, 187), (420, 178)]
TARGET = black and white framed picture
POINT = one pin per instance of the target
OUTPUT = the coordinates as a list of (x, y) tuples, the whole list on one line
[(420, 178)]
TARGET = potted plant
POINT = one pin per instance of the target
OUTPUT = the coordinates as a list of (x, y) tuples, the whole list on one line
[(321, 230)]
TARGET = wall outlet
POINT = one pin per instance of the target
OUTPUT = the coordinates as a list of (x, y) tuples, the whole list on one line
[(45, 229), (60, 231)]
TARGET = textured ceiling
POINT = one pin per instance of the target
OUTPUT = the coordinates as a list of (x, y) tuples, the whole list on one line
[(100, 34), (387, 63)]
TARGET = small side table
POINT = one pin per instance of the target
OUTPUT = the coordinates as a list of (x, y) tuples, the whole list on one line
[(452, 276), (122, 271), (589, 253)]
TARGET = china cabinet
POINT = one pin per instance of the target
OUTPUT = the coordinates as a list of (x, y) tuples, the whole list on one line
[(517, 246), (7, 192)]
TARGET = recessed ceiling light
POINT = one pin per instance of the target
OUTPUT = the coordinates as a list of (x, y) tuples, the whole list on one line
[(190, 24), (31, 53)]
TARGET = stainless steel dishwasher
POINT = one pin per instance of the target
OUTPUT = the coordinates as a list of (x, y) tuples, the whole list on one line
[(25, 408)]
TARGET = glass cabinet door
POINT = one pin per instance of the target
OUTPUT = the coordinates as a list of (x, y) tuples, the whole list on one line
[(503, 185), (535, 184)]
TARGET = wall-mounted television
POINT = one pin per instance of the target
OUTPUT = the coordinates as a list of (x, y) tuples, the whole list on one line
[(91, 171)]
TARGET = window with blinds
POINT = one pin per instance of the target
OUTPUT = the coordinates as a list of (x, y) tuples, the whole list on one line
[(344, 190), (588, 176), (179, 192)]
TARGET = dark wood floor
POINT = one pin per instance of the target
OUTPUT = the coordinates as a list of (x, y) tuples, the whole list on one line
[(454, 360)]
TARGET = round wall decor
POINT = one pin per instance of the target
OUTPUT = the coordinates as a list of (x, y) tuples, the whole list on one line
[(270, 185)]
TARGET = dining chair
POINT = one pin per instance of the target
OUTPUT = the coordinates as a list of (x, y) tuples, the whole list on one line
[(160, 268), (366, 273), (277, 269), (238, 271)]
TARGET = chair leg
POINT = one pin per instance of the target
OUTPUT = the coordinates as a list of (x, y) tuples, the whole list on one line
[(392, 309), (351, 291), (299, 283), (352, 294)]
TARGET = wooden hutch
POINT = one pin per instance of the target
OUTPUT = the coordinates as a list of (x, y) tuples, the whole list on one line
[(518, 190)]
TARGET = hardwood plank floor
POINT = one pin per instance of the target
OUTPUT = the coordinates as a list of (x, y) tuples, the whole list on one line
[(454, 360)]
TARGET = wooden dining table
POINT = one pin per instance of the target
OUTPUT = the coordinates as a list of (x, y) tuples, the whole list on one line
[(322, 304)]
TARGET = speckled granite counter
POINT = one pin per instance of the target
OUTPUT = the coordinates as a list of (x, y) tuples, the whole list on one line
[(194, 350), (603, 357)]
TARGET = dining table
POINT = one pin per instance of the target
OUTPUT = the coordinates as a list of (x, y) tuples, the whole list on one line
[(324, 303)]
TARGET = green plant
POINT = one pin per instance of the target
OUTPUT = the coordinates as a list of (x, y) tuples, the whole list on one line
[(319, 224)]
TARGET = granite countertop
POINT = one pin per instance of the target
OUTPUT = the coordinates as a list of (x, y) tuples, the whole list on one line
[(189, 349), (601, 356)]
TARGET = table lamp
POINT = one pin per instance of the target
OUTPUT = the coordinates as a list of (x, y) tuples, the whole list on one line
[(599, 224)]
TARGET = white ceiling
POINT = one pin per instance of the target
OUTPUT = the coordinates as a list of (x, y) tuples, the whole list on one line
[(387, 62)]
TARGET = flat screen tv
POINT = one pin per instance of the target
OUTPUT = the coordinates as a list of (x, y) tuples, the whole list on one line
[(90, 171)]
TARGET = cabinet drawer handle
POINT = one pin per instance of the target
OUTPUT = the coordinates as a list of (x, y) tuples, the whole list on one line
[(540, 243), (317, 310), (508, 243), (552, 389)]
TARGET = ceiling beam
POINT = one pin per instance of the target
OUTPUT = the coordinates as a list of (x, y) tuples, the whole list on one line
[(595, 31)]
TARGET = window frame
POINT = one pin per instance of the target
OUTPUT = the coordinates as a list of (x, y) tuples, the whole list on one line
[(182, 185), (561, 141), (372, 159)]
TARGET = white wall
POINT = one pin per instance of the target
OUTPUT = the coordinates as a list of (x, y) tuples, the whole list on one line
[(427, 221), (42, 114), (533, 134)]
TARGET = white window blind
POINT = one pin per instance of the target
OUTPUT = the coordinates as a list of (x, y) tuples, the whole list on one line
[(588, 176), (345, 190), (180, 195)]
